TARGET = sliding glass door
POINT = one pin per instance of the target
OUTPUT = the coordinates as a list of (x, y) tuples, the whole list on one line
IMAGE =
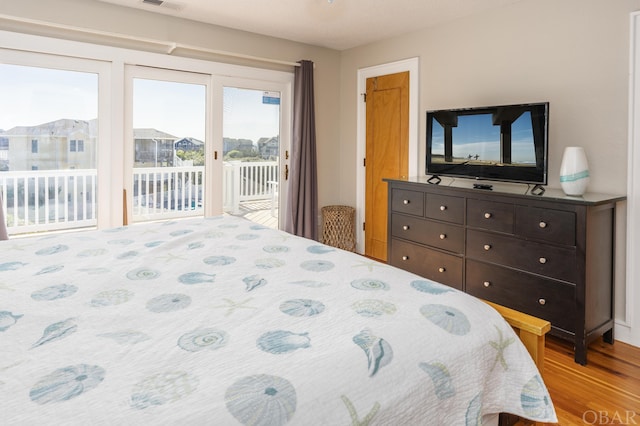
[(166, 144), (78, 134), (178, 170), (255, 149)]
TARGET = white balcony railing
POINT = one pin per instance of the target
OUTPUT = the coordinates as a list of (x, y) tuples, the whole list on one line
[(48, 200), (248, 181), (167, 192)]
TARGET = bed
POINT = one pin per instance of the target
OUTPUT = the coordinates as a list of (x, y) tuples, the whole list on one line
[(223, 321)]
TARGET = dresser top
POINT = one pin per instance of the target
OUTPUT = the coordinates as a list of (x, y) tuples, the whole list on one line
[(522, 190)]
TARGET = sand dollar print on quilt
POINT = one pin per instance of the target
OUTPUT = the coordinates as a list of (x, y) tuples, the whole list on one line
[(261, 400)]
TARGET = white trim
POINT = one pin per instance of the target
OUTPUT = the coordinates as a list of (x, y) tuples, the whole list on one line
[(169, 46), (630, 330), (75, 49), (411, 65)]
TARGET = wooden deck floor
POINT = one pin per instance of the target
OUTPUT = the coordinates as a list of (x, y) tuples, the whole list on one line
[(260, 212)]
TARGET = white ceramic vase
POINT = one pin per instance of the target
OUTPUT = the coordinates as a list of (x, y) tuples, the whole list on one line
[(574, 171)]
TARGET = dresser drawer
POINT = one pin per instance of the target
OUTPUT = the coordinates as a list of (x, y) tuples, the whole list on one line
[(555, 226), (543, 259), (445, 208), (490, 215), (543, 298), (432, 264), (436, 234), (406, 201)]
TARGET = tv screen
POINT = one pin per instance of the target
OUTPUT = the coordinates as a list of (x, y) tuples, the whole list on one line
[(503, 143)]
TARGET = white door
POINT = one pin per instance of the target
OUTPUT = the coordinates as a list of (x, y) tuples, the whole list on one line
[(166, 143), (255, 148)]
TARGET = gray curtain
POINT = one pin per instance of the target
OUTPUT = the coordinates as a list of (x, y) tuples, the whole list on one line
[(301, 216), (3, 222)]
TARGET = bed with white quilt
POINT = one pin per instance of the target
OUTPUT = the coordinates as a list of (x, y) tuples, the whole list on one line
[(221, 321)]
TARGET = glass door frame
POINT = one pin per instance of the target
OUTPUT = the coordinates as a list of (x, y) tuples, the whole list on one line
[(105, 199), (286, 125), (145, 72)]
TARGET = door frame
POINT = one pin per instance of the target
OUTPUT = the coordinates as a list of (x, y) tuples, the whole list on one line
[(628, 327), (411, 65), (132, 72), (285, 87)]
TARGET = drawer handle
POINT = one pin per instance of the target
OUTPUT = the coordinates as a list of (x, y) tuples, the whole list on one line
[(441, 269), (443, 208), (486, 284), (405, 257), (406, 201), (443, 236), (405, 227), (543, 224), (543, 260), (487, 247), (488, 215), (542, 301)]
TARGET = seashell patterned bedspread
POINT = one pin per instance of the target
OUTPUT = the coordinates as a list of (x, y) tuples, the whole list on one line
[(221, 321)]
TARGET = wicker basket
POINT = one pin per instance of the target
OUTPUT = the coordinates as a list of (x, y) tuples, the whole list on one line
[(338, 226)]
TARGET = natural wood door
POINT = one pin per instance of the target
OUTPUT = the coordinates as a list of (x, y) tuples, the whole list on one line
[(387, 152)]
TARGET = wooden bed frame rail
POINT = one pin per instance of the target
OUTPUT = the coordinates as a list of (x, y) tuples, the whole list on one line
[(532, 331)]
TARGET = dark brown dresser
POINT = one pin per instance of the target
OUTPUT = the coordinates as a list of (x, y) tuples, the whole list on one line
[(550, 255)]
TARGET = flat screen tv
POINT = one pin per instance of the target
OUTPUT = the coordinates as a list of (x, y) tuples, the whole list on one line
[(499, 143)]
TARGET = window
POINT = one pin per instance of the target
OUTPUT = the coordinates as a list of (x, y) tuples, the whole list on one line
[(4, 154), (55, 107), (76, 145)]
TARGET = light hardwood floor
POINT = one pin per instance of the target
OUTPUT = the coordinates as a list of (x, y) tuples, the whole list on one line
[(604, 392)]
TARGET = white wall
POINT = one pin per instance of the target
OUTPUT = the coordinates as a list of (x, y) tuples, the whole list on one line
[(572, 53)]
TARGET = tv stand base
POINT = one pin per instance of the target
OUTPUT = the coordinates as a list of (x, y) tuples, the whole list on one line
[(537, 190), (434, 180)]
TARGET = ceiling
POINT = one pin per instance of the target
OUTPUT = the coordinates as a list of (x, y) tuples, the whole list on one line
[(335, 24)]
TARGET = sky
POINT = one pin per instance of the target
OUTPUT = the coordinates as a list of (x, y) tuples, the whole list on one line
[(29, 96), (476, 135), (33, 96)]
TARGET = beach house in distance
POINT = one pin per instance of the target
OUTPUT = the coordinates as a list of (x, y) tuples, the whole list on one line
[(71, 144)]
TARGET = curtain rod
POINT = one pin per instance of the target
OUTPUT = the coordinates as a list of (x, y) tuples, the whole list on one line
[(170, 46)]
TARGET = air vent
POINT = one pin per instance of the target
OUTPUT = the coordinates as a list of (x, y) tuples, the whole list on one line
[(164, 4)]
